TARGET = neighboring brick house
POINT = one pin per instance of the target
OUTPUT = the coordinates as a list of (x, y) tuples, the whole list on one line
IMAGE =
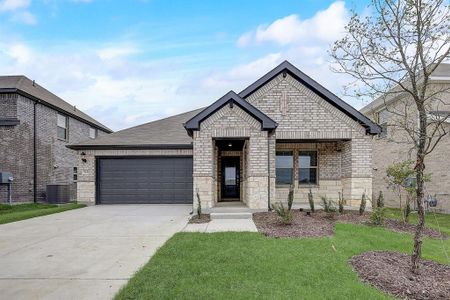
[(390, 146), (35, 128), (284, 129)]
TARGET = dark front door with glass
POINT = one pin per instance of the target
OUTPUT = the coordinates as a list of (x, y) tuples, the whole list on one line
[(230, 178)]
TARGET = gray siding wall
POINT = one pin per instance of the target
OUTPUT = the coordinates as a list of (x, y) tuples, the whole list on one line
[(55, 160)]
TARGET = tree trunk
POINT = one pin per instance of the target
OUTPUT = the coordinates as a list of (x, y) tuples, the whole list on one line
[(420, 166)]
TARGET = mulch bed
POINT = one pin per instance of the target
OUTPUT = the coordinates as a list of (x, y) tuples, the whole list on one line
[(302, 225), (203, 218), (321, 224), (390, 272)]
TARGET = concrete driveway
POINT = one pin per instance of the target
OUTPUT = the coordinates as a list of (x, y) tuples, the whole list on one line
[(87, 253)]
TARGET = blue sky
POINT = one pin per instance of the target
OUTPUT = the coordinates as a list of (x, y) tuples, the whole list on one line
[(130, 62)]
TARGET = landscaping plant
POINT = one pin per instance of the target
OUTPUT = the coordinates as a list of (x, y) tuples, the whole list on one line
[(286, 216), (341, 202), (377, 216), (362, 206), (380, 200), (199, 205), (311, 200), (290, 197), (328, 205)]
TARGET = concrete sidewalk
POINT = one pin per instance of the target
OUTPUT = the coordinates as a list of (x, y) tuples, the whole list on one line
[(223, 225), (87, 253)]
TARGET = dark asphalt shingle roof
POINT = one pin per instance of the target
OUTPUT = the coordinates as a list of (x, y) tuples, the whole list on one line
[(24, 86), (164, 133)]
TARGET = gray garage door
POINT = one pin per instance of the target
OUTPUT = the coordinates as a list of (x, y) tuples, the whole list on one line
[(155, 180)]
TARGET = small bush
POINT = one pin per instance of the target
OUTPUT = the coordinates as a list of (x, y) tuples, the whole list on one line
[(380, 200), (407, 211), (362, 206), (199, 205), (311, 200), (377, 216), (341, 202), (286, 216), (290, 197), (328, 205)]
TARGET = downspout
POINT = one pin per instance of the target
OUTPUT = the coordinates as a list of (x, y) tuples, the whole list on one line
[(34, 154)]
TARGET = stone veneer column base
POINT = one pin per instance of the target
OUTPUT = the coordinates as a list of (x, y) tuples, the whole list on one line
[(205, 186), (354, 189), (86, 192), (257, 192)]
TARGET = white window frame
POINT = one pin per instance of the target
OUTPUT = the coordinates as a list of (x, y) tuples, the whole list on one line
[(65, 127), (93, 130)]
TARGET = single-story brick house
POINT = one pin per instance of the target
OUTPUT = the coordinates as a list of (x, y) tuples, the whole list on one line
[(284, 129)]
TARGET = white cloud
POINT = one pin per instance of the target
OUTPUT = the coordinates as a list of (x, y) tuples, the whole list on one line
[(325, 26), (117, 51), (17, 11), (12, 5), (24, 17)]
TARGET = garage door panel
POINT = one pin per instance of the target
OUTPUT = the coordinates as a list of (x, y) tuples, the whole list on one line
[(145, 180)]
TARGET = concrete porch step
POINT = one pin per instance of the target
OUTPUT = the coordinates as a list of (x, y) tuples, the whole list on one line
[(230, 215)]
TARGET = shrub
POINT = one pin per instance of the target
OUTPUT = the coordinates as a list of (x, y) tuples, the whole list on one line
[(362, 206), (311, 200), (377, 216), (380, 200), (286, 216), (199, 205), (341, 202), (328, 205), (290, 197)]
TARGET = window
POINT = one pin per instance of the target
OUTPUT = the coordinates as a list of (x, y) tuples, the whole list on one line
[(75, 173), (284, 164), (92, 133), (62, 127), (307, 167)]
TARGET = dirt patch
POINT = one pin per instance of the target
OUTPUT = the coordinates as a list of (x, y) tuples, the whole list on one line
[(203, 218), (302, 225), (320, 224), (390, 272)]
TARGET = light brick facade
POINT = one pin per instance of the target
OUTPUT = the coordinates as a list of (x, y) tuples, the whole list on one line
[(280, 114), (305, 122)]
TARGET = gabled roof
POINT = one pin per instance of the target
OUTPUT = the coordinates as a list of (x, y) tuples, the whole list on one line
[(233, 98), (166, 133), (27, 88), (310, 83)]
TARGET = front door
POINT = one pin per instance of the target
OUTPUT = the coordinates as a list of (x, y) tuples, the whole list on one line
[(230, 178)]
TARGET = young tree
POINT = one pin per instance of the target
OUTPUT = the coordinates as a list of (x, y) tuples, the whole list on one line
[(391, 54)]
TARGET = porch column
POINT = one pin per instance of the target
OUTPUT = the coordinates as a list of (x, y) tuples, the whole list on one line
[(357, 169), (204, 174)]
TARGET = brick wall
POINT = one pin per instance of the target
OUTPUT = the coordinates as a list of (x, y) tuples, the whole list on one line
[(302, 116), (55, 161), (396, 147)]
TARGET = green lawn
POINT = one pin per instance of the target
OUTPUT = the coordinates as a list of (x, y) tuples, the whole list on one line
[(252, 266), (18, 212), (433, 220)]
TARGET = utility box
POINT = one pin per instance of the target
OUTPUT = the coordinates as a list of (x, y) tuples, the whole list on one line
[(58, 193), (6, 177)]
